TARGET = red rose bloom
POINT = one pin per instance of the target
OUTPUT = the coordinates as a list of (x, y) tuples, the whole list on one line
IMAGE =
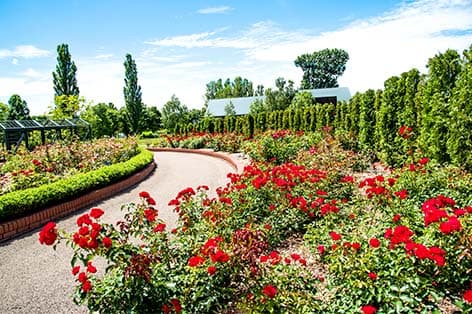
[(195, 261), (90, 268), (86, 286), (211, 270), (144, 194), (48, 234), (75, 270), (368, 309), (468, 296), (270, 291), (375, 243), (107, 242), (176, 304), (372, 275), (151, 201), (82, 277), (219, 256), (96, 212), (150, 214), (321, 249), (160, 228), (335, 236)]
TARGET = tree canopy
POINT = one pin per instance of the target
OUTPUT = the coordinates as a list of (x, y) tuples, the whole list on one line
[(173, 113), (64, 79), (321, 69), (239, 87), (17, 108), (132, 93)]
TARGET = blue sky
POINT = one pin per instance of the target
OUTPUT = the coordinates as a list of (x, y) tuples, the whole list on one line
[(179, 46)]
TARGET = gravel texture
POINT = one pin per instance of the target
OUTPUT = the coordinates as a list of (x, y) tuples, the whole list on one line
[(37, 279)]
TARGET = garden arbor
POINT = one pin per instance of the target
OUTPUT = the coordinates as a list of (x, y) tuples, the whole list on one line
[(16, 131)]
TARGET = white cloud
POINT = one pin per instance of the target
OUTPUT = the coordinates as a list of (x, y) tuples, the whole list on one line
[(104, 56), (379, 47), (24, 51), (215, 10), (14, 61)]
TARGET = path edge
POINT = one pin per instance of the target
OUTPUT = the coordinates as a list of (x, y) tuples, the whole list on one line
[(19, 226), (236, 164)]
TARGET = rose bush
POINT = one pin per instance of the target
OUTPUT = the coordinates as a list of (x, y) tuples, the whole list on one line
[(379, 241)]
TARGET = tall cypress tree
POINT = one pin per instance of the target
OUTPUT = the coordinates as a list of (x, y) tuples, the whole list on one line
[(65, 82), (132, 93)]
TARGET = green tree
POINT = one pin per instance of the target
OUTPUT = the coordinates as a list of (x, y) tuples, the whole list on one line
[(239, 87), (3, 111), (17, 108), (173, 113), (257, 107), (66, 106), (459, 143), (103, 118), (302, 100), (280, 98), (151, 120), (367, 120), (259, 90), (132, 93), (321, 69), (230, 110), (443, 70), (64, 79)]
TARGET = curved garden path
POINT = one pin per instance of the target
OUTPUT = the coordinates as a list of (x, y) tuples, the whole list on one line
[(37, 279)]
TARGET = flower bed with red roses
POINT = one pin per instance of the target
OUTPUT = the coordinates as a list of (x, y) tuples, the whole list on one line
[(393, 241)]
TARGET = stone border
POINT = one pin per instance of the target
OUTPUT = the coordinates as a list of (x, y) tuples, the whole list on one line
[(237, 165), (13, 228)]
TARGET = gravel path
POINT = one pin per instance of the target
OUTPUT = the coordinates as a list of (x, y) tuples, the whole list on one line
[(37, 279)]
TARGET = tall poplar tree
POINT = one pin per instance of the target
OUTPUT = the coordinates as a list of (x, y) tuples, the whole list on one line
[(65, 82), (132, 93)]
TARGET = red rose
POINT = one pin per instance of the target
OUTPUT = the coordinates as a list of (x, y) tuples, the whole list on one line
[(48, 234), (270, 291), (356, 246), (195, 261), (86, 286), (82, 277), (375, 243), (219, 256), (96, 212), (107, 242), (150, 214), (151, 201), (90, 268), (75, 270), (211, 270), (176, 304), (468, 296), (368, 309), (144, 194), (160, 228), (321, 249), (335, 236), (372, 275)]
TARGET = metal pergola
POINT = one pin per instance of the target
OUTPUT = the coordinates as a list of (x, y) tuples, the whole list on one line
[(16, 131)]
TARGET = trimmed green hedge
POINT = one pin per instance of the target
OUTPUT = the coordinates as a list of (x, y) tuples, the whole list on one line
[(28, 201)]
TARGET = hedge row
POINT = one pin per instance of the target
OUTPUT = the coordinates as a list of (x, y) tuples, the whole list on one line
[(22, 202), (427, 114)]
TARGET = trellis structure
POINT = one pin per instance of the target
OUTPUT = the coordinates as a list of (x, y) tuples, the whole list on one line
[(16, 131)]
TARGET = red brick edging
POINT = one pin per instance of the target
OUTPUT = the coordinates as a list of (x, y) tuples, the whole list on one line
[(238, 166), (11, 229)]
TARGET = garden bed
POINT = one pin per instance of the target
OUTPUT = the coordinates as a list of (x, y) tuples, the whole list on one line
[(300, 230)]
